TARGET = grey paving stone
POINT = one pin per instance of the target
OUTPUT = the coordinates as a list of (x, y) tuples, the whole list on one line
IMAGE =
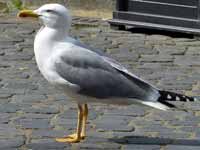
[(8, 131), (144, 50), (25, 30), (188, 43), (189, 129), (69, 114), (184, 39), (170, 50), (42, 144), (193, 51), (12, 142), (5, 96), (72, 114), (26, 45), (126, 57), (48, 133), (42, 110), (154, 58), (35, 116), (181, 147), (12, 41), (17, 57), (131, 111), (20, 84), (187, 61), (175, 135), (69, 124), (184, 123), (28, 98), (163, 116), (4, 117), (33, 123), (97, 146), (176, 87), (9, 108), (157, 37), (157, 128), (142, 147), (113, 123)]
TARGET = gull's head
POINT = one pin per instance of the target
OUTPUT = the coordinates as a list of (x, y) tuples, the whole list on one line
[(52, 15)]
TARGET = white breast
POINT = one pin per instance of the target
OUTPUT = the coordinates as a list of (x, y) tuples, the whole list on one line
[(44, 49)]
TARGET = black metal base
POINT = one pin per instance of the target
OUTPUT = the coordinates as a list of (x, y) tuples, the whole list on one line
[(172, 15), (121, 24)]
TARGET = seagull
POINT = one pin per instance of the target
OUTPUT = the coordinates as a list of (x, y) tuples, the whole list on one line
[(86, 74)]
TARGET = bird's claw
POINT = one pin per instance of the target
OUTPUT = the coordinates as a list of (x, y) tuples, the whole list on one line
[(72, 138)]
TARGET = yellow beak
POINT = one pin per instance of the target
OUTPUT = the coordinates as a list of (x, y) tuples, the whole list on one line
[(27, 13)]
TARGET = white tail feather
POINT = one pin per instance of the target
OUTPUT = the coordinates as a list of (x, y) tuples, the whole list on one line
[(156, 105)]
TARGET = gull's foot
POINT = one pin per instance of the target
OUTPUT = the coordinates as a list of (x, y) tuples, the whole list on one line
[(74, 135), (72, 138)]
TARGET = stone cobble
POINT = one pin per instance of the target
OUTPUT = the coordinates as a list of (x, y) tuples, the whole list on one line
[(32, 113)]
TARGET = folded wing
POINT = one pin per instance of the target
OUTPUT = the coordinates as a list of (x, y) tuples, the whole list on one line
[(102, 77)]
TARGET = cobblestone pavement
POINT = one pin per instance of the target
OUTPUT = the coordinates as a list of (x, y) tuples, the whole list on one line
[(33, 113)]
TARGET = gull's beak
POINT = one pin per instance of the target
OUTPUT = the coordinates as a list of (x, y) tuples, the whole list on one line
[(27, 13)]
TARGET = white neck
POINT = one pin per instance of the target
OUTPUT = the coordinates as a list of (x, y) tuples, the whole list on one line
[(44, 42)]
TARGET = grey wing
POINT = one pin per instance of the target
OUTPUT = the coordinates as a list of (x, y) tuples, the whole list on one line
[(120, 68), (98, 78), (141, 83)]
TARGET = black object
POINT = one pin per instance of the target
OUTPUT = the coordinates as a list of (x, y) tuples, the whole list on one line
[(172, 15)]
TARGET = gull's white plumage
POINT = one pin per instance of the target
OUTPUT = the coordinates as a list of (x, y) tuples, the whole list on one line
[(52, 41), (84, 73)]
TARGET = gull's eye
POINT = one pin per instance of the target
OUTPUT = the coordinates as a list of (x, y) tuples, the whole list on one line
[(49, 10)]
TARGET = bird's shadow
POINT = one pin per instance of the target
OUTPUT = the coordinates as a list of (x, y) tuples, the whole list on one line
[(154, 141)]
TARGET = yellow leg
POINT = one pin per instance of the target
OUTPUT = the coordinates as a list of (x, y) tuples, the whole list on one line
[(84, 121), (85, 116), (74, 138)]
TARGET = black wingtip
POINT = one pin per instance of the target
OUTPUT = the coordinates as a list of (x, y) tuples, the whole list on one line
[(166, 97), (171, 96)]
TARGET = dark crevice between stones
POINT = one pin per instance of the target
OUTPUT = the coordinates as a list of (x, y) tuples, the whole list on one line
[(4, 66)]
